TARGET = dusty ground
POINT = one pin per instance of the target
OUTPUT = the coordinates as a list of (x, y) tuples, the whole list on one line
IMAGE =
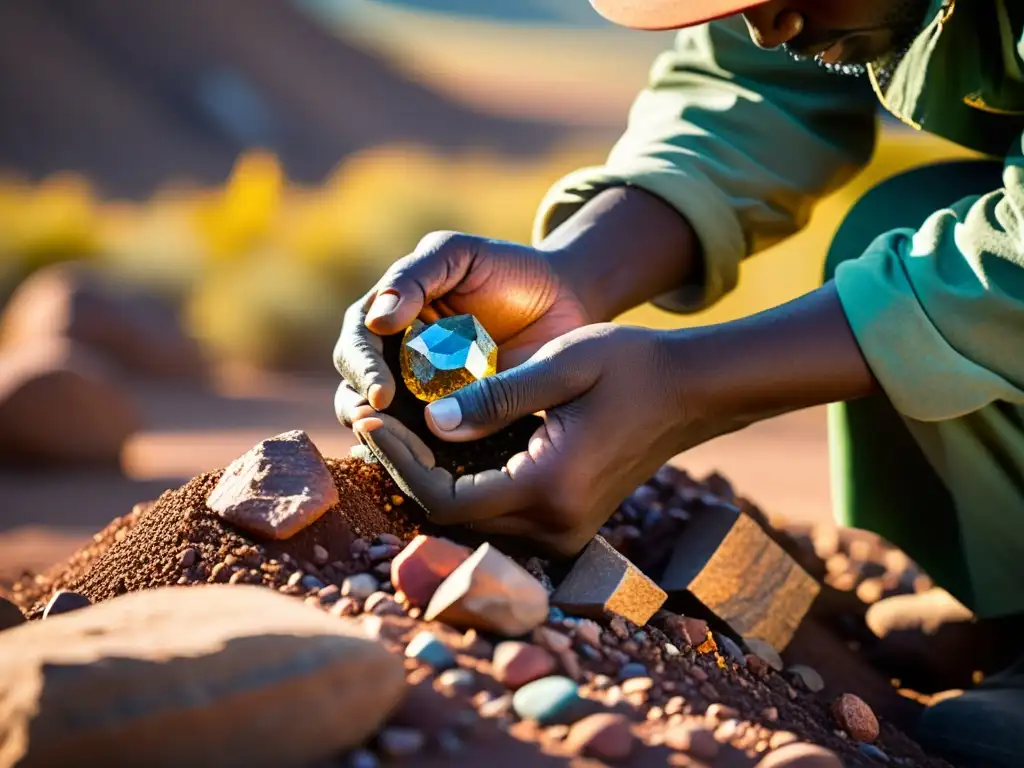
[(781, 464)]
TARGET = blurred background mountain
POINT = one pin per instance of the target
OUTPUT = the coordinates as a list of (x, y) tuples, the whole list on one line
[(258, 163)]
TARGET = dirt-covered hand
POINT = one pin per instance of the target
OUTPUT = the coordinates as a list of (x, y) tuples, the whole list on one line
[(513, 290), (614, 410)]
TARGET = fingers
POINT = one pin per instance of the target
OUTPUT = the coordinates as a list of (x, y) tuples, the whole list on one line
[(350, 406), (448, 500), (551, 378), (436, 267), (359, 357)]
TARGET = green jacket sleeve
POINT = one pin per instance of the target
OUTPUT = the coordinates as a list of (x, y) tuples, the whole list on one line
[(740, 140), (939, 313)]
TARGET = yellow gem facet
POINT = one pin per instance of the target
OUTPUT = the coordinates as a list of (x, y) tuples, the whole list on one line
[(440, 358)]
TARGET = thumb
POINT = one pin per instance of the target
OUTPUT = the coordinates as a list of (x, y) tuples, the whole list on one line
[(488, 405)]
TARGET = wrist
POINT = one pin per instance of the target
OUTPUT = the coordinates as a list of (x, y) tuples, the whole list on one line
[(621, 249)]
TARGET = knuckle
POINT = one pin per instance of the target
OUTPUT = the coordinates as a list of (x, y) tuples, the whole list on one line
[(440, 240)]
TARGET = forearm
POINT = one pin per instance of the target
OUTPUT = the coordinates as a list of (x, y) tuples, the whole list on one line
[(794, 356), (622, 249)]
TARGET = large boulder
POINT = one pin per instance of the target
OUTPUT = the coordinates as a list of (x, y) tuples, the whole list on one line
[(213, 675), (137, 331), (59, 405)]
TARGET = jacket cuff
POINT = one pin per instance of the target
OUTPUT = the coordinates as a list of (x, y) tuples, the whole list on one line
[(923, 375), (699, 201)]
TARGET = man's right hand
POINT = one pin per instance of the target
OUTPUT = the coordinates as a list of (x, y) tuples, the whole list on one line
[(513, 290)]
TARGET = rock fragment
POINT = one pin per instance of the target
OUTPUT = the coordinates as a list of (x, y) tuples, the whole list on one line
[(515, 664), (692, 739), (428, 649), (807, 676), (419, 569), (65, 602), (604, 735), (279, 487), (10, 615), (360, 586), (603, 581), (855, 717), (491, 592), (209, 662), (801, 756), (549, 701), (763, 649)]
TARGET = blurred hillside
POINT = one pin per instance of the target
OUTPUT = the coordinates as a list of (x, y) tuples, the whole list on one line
[(137, 94)]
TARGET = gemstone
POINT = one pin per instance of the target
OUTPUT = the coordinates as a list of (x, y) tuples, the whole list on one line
[(440, 358)]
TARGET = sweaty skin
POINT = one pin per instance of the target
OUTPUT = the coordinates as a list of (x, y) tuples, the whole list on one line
[(617, 402)]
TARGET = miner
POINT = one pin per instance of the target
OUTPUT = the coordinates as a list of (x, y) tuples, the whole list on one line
[(915, 338)]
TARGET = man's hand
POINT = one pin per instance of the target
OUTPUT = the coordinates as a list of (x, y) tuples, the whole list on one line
[(513, 290), (613, 413), (617, 402)]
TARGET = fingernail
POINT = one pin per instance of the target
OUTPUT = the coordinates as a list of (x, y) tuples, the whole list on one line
[(384, 304), (447, 414), (373, 395)]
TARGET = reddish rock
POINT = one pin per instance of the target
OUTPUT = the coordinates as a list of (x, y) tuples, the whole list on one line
[(691, 631), (801, 756), (692, 739), (605, 736), (491, 592), (855, 717), (276, 489), (419, 569), (60, 406), (551, 639), (516, 664), (137, 331)]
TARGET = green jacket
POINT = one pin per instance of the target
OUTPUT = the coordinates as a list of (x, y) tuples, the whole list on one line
[(742, 141)]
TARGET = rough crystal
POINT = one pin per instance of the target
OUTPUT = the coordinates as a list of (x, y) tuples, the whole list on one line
[(440, 358)]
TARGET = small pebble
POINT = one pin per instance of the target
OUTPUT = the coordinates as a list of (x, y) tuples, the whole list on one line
[(589, 632), (426, 648), (717, 712), (362, 758), (554, 641), (870, 750), (311, 582), (801, 756), (400, 742), (493, 708), (855, 717), (619, 628), (390, 540), (329, 594), (760, 648), (637, 685), (346, 606), (293, 581), (640, 637), (457, 680), (757, 666), (515, 664), (781, 739), (449, 742), (632, 669), (732, 651), (320, 555), (382, 552), (670, 650), (360, 586), (808, 677), (383, 570), (359, 547), (605, 736), (771, 714), (548, 701), (188, 558), (692, 739), (65, 602), (383, 604)]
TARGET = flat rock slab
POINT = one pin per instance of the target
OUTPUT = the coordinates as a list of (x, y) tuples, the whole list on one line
[(603, 581), (738, 572), (276, 489), (227, 675)]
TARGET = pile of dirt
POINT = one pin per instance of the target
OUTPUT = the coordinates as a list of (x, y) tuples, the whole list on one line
[(678, 697), (177, 540)]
